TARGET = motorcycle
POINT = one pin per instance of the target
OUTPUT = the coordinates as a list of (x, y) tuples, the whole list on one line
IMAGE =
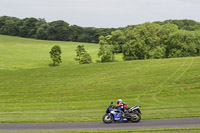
[(114, 114)]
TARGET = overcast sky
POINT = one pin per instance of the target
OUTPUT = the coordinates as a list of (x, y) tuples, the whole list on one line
[(102, 13)]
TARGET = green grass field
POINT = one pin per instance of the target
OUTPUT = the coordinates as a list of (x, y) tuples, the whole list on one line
[(157, 130), (32, 91)]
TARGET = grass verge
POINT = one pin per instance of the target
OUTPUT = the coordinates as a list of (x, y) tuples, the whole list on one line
[(157, 130)]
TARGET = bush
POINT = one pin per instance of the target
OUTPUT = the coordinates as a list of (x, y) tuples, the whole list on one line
[(80, 50), (157, 53), (106, 52), (85, 58), (55, 54)]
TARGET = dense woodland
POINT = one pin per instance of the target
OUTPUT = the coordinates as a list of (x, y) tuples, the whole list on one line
[(151, 40), (56, 30), (167, 39)]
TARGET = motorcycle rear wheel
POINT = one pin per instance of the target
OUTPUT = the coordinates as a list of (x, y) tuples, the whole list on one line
[(107, 118), (135, 118)]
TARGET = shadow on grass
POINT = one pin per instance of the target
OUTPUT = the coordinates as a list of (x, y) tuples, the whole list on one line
[(98, 61), (53, 65), (76, 59)]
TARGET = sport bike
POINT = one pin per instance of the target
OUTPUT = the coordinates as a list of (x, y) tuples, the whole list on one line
[(115, 114)]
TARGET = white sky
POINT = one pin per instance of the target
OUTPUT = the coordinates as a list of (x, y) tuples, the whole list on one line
[(102, 13)]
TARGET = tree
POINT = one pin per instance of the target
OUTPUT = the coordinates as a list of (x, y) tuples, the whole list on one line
[(141, 40), (28, 29), (165, 32), (85, 58), (182, 44), (106, 52), (10, 25), (74, 33), (197, 42), (55, 54), (134, 50), (80, 50), (58, 30), (157, 53), (185, 24), (42, 32), (117, 39)]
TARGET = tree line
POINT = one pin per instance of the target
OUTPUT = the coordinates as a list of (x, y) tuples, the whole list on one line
[(62, 31), (150, 40), (167, 39), (56, 30)]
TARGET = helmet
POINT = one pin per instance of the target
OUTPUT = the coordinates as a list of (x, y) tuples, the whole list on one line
[(119, 101)]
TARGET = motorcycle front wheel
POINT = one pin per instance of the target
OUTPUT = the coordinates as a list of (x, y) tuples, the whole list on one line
[(107, 118), (136, 117)]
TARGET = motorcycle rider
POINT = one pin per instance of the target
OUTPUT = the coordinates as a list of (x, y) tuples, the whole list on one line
[(122, 106)]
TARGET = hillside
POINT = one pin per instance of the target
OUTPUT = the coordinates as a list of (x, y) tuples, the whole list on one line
[(31, 91), (22, 53)]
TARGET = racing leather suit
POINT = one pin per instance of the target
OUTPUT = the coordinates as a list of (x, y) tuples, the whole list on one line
[(123, 106)]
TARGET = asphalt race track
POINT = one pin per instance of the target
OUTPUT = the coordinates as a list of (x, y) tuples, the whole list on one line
[(159, 123)]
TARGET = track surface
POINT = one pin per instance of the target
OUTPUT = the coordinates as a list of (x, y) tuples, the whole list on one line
[(161, 123)]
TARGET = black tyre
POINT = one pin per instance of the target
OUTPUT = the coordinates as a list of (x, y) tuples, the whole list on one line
[(135, 117), (107, 118)]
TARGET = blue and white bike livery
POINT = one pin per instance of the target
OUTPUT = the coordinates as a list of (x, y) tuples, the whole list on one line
[(114, 114)]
